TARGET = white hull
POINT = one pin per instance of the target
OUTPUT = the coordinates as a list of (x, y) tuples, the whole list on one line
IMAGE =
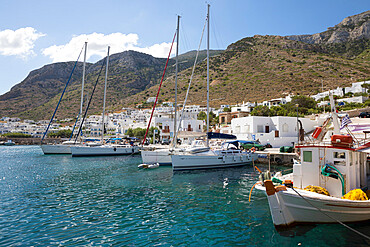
[(56, 149), (288, 207), (208, 161), (161, 156), (104, 150)]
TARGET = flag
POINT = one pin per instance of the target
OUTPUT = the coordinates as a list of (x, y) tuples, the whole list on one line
[(345, 121)]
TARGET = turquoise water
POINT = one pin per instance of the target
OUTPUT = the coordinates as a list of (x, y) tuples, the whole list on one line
[(102, 201)]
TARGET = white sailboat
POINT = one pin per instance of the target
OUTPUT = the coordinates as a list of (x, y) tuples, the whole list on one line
[(328, 182), (205, 158), (104, 149), (162, 155), (65, 147)]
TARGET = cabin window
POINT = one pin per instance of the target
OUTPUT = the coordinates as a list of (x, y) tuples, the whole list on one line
[(260, 129), (307, 156), (339, 155)]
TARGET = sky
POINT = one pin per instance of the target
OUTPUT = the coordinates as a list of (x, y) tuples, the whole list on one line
[(39, 32)]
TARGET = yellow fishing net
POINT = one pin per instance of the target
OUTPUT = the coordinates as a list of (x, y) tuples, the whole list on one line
[(356, 194), (317, 189)]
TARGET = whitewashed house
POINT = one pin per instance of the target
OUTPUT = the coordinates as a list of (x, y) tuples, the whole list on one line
[(278, 131)]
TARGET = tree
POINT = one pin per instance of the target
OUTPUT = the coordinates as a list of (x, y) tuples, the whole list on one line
[(130, 132), (202, 115), (150, 133), (366, 86), (227, 109), (61, 134), (17, 135), (260, 110), (139, 132)]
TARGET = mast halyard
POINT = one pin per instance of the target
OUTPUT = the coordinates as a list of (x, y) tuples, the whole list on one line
[(207, 74), (177, 69), (83, 79), (105, 92), (83, 82)]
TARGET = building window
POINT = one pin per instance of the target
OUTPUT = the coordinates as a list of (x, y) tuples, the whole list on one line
[(260, 129), (307, 156)]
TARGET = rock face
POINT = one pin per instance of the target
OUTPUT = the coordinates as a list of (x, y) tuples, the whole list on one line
[(351, 28)]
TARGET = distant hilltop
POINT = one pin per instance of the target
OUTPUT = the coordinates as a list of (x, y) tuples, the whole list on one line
[(351, 28), (252, 69)]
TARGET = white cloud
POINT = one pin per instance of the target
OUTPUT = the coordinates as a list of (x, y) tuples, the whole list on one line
[(97, 46), (19, 42)]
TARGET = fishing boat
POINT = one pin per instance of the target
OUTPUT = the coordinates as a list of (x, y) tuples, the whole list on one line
[(103, 149), (8, 143), (328, 185), (65, 147), (229, 155)]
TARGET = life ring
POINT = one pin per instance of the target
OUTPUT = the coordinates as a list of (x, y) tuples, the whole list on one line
[(253, 149)]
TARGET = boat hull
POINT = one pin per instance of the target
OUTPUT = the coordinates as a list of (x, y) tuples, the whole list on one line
[(162, 157), (195, 162), (81, 151), (287, 207), (56, 149)]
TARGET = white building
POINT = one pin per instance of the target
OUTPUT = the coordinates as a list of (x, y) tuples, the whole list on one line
[(151, 100), (276, 102), (356, 87), (358, 99), (278, 131), (245, 107)]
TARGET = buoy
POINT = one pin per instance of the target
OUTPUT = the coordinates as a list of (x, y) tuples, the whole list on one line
[(253, 149)]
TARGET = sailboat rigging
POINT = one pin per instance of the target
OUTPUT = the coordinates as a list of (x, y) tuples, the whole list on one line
[(64, 148)]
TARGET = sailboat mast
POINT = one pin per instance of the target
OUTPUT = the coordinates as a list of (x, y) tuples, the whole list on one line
[(208, 74), (105, 93), (83, 79), (177, 69)]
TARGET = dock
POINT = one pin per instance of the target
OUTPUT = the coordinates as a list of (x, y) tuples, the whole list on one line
[(275, 157)]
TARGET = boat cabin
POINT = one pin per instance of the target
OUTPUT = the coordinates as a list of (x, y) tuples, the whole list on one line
[(336, 168)]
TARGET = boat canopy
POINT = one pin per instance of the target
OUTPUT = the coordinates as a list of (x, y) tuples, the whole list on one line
[(213, 135), (364, 148)]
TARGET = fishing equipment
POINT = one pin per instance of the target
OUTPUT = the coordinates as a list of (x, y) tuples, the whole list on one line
[(330, 171), (317, 189), (356, 194)]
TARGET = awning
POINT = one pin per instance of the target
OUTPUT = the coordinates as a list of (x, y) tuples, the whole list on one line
[(213, 135), (189, 134), (364, 148)]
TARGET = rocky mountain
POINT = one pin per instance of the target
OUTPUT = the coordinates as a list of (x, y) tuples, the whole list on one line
[(251, 69), (349, 38), (265, 67), (351, 28), (130, 72)]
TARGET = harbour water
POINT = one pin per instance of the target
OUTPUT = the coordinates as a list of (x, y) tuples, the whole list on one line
[(49, 200)]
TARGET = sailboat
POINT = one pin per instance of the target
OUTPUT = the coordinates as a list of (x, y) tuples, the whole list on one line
[(162, 155), (229, 155), (65, 147), (104, 149)]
